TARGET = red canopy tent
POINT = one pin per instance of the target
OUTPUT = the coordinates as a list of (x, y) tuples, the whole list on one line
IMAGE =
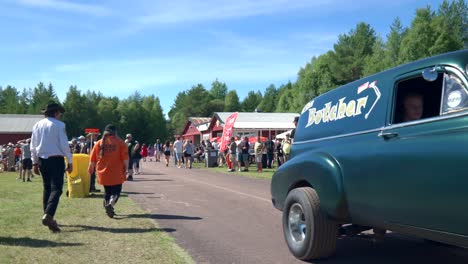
[(215, 139), (254, 139)]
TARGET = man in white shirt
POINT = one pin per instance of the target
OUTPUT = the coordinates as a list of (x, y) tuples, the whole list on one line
[(178, 146), (49, 147)]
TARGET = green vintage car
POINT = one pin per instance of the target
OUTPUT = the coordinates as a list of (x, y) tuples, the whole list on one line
[(387, 152)]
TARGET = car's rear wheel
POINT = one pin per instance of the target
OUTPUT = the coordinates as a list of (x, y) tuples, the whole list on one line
[(309, 233)]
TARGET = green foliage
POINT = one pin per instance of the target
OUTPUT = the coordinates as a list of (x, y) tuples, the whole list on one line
[(218, 90), (351, 52), (269, 100), (252, 101), (420, 38), (448, 26), (9, 100), (231, 103)]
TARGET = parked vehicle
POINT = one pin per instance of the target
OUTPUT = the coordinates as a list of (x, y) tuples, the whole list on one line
[(387, 152)]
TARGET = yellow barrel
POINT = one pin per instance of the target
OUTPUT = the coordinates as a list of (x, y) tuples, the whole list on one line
[(78, 179)]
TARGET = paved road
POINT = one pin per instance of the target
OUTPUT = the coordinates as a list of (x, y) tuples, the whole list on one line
[(222, 218)]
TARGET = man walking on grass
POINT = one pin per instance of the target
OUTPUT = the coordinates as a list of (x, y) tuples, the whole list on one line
[(49, 147)]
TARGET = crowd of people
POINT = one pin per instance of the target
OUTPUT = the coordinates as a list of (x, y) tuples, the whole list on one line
[(17, 157), (113, 160)]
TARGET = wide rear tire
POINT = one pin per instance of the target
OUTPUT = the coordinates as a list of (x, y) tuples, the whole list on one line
[(308, 231)]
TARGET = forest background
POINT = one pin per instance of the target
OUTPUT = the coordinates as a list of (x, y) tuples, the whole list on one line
[(359, 53)]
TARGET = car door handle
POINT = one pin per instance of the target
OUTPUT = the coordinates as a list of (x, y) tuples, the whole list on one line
[(388, 135)]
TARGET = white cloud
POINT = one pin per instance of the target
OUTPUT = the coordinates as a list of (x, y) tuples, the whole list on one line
[(187, 11), (63, 5)]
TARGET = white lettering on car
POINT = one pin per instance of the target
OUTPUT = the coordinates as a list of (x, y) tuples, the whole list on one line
[(342, 109)]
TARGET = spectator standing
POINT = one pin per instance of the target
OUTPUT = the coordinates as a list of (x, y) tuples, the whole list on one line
[(132, 147), (109, 158), (75, 147), (88, 146), (26, 161), (293, 132), (150, 152), (279, 152), (49, 147), (188, 152), (18, 157), (178, 150), (82, 142), (258, 148), (245, 153), (144, 152), (10, 154), (239, 155), (270, 151), (137, 157), (232, 154), (158, 149), (167, 152), (287, 148)]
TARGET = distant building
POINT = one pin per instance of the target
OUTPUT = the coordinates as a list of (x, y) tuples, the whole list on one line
[(253, 123), (16, 127), (194, 128)]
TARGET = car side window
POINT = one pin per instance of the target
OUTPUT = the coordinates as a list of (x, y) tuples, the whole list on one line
[(455, 96), (417, 99)]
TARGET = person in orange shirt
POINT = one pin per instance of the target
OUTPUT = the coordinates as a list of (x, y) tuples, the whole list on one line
[(110, 158)]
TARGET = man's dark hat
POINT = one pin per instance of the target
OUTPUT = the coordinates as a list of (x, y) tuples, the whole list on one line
[(110, 128), (52, 107)]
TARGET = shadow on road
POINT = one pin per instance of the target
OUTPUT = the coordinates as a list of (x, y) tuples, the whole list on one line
[(148, 173), (137, 193), (162, 217), (101, 195), (80, 228), (156, 180), (393, 249), (34, 243)]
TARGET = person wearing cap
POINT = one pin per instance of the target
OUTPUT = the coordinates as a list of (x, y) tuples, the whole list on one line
[(132, 147), (110, 159), (49, 147), (82, 143)]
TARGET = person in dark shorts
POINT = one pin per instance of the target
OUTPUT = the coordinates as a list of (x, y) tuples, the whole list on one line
[(26, 161), (167, 152)]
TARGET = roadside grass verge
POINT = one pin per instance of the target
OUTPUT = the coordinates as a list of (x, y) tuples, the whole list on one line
[(88, 235), (252, 173)]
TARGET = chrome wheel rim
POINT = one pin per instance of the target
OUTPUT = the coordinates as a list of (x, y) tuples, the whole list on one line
[(297, 223)]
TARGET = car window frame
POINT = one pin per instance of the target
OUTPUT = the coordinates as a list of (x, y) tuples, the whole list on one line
[(389, 124)]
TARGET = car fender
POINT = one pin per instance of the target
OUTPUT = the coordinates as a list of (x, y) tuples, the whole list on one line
[(321, 172)]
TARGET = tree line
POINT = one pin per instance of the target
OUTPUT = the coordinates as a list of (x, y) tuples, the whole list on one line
[(356, 54)]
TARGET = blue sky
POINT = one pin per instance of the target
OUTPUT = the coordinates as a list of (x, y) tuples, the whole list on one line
[(164, 47)]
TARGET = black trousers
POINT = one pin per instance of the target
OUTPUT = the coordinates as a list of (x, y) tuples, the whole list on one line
[(92, 183), (270, 156), (112, 190), (52, 170)]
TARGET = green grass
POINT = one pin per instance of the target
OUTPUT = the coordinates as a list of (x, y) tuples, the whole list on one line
[(252, 173), (88, 235)]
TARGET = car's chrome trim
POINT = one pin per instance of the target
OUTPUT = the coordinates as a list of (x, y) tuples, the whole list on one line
[(339, 136), (428, 120)]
